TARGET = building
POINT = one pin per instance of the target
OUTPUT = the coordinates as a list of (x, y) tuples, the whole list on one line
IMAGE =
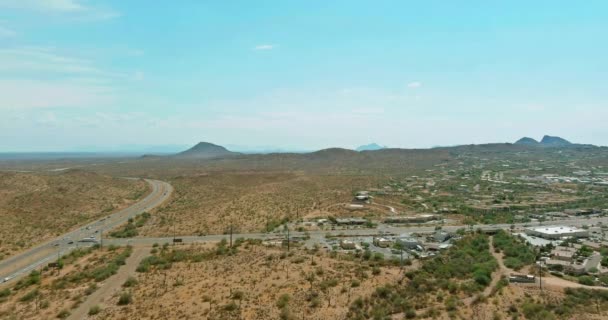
[(557, 232), (442, 236), (563, 255), (407, 242), (420, 218), (351, 221), (362, 196), (521, 278), (579, 212), (382, 242), (347, 245)]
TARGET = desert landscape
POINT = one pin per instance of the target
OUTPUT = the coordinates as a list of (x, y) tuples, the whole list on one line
[(36, 207)]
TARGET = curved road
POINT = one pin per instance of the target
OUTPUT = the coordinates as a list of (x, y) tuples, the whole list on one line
[(23, 263)]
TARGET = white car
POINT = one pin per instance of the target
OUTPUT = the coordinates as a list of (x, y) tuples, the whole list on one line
[(6, 279)]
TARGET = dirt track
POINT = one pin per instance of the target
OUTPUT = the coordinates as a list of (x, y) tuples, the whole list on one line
[(111, 286)]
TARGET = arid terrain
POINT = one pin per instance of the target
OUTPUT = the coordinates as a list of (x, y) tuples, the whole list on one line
[(250, 201), (35, 207), (249, 282), (54, 293)]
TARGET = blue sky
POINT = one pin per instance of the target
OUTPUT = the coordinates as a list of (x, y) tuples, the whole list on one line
[(80, 74)]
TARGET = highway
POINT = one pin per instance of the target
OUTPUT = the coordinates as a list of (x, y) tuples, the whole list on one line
[(21, 264)]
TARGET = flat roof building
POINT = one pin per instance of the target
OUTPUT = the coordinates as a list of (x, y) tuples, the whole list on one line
[(557, 232)]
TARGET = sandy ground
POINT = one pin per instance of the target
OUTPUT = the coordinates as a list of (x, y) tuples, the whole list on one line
[(112, 286)]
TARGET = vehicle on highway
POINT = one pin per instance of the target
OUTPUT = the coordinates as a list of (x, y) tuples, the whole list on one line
[(70, 242), (6, 279), (89, 239)]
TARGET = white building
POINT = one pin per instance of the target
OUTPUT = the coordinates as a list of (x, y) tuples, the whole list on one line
[(557, 232)]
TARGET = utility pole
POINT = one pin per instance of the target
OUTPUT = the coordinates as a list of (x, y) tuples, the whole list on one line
[(288, 246), (230, 235), (100, 238)]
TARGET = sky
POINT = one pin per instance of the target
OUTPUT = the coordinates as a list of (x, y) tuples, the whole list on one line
[(102, 75)]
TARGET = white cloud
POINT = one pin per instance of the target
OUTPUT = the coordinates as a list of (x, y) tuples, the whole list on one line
[(27, 94), (39, 61), (42, 77), (6, 32), (414, 85), (76, 7), (44, 5), (265, 47)]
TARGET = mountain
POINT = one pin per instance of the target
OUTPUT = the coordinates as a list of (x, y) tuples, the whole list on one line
[(525, 141), (549, 141), (206, 150), (370, 147)]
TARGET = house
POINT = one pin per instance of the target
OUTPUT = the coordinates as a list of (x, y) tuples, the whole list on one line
[(408, 242), (347, 245), (442, 236), (382, 242), (563, 255)]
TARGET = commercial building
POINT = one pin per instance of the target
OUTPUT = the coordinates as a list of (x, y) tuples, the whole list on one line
[(420, 218), (557, 232)]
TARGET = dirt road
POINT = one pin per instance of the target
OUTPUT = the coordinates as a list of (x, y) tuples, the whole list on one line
[(111, 286)]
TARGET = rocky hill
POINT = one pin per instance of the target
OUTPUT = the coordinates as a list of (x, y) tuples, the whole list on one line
[(550, 141), (547, 141), (206, 150), (525, 141)]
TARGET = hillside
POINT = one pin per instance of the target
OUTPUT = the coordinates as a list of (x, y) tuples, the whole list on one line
[(526, 141), (206, 150), (549, 141), (36, 207)]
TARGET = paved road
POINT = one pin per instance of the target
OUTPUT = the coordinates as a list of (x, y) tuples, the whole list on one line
[(380, 230), (23, 263)]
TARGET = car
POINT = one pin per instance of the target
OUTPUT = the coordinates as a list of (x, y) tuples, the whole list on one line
[(70, 242)]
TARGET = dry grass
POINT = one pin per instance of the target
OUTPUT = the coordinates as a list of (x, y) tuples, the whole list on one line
[(208, 203), (37, 207), (59, 290), (257, 282)]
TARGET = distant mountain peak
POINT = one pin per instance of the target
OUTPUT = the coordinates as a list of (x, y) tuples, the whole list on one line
[(547, 141), (527, 141), (206, 150), (370, 147), (551, 141)]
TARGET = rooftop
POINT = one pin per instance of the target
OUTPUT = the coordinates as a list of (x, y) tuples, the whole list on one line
[(557, 229)]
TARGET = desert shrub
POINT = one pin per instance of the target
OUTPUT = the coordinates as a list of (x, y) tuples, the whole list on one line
[(63, 314), (32, 279), (283, 301), (30, 296), (94, 310), (5, 293), (130, 282), (125, 299), (517, 253)]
